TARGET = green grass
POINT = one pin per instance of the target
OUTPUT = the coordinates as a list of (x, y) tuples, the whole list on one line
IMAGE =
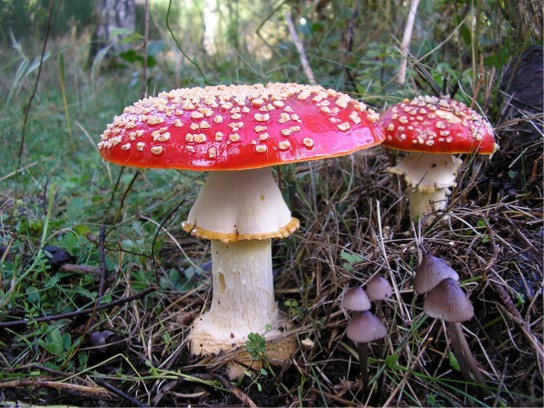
[(124, 226)]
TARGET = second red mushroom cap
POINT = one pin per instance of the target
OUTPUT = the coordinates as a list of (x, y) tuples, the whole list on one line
[(437, 125)]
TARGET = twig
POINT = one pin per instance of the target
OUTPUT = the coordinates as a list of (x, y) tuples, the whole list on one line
[(349, 44), (124, 196), (146, 38), (62, 386), (167, 22), (134, 402), (300, 48), (80, 312), (103, 270), (237, 392), (35, 89), (406, 39)]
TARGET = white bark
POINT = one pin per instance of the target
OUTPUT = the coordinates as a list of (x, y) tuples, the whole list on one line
[(406, 39)]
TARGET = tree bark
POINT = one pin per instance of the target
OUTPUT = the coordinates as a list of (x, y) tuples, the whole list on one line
[(111, 14)]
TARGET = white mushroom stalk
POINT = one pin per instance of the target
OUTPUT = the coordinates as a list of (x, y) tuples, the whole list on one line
[(239, 211), (431, 176)]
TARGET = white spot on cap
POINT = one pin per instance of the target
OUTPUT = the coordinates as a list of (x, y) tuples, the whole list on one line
[(261, 148), (200, 138), (156, 150), (354, 116), (262, 117), (284, 117), (284, 145), (154, 120)]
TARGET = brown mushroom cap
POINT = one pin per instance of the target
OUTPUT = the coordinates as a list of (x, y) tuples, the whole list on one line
[(356, 300), (428, 124), (378, 288), (365, 328), (239, 127), (448, 302), (430, 272)]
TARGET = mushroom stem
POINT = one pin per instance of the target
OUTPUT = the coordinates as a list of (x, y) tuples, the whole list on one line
[(362, 348), (240, 205), (462, 352), (424, 202), (243, 297), (239, 211), (431, 175)]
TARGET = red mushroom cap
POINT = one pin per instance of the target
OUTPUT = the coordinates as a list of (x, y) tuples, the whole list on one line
[(431, 125), (239, 127)]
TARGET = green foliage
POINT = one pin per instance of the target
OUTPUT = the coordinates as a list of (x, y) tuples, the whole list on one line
[(28, 18), (350, 259), (256, 345)]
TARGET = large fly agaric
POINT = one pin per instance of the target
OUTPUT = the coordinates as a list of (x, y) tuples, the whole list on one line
[(431, 130), (237, 133)]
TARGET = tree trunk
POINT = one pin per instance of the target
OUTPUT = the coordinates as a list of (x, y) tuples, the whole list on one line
[(112, 14)]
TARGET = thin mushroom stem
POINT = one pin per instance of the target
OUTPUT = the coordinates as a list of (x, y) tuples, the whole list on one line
[(458, 352), (463, 354), (362, 348)]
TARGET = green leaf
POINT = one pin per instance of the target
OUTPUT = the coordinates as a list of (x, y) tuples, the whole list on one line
[(32, 294), (53, 344), (453, 362), (75, 208), (391, 361)]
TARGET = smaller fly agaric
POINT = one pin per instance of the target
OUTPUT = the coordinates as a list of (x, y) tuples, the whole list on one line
[(447, 302), (432, 130), (237, 133)]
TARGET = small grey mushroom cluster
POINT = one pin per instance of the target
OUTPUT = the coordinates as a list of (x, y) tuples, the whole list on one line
[(366, 327), (445, 300)]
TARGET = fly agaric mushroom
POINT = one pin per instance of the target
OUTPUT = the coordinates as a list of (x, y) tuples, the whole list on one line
[(432, 130), (237, 133)]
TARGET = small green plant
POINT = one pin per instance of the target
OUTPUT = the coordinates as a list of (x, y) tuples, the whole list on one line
[(256, 345), (350, 259)]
